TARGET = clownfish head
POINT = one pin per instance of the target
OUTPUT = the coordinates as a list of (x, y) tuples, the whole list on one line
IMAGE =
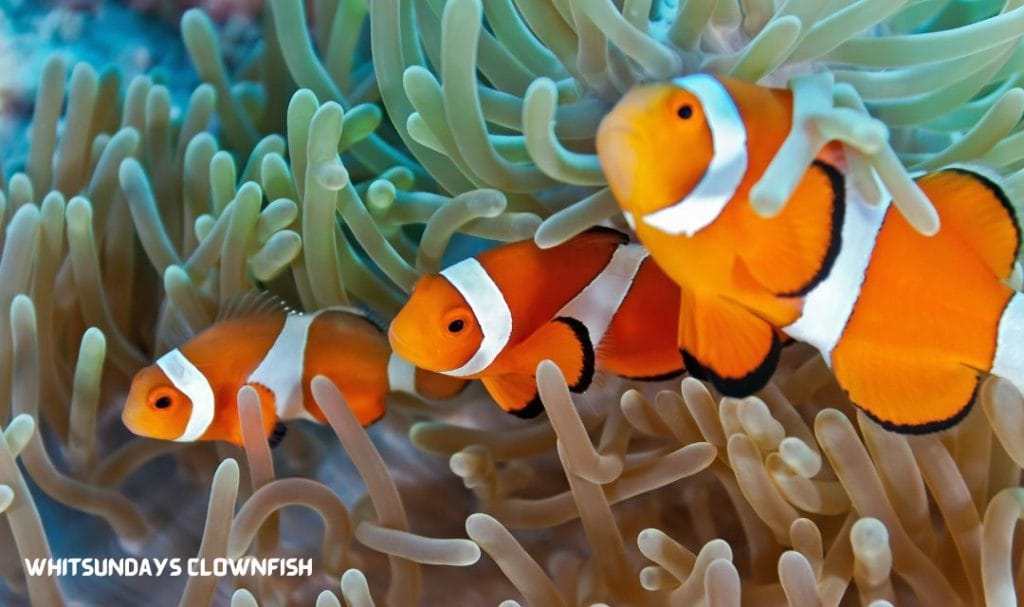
[(155, 408), (436, 329), (654, 147)]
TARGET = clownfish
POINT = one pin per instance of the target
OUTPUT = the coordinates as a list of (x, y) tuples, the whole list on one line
[(190, 393), (909, 323), (594, 303)]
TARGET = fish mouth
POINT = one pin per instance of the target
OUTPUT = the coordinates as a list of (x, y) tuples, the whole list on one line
[(617, 146), (400, 347), (417, 358)]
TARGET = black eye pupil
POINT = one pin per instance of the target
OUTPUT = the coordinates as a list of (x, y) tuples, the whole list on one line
[(163, 402), (456, 325), (685, 111)]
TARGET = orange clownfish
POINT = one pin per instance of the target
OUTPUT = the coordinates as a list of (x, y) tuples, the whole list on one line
[(907, 322), (593, 303), (189, 394)]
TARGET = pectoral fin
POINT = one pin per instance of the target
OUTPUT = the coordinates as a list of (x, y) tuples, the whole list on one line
[(790, 253), (437, 386), (564, 341)]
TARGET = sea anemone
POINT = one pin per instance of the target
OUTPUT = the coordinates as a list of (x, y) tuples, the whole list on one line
[(308, 169)]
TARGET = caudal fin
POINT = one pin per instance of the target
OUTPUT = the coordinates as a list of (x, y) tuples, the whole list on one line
[(909, 393), (932, 315), (972, 203), (1008, 362), (974, 206)]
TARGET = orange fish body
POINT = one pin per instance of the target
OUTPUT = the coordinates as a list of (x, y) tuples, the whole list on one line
[(190, 393), (595, 303), (906, 321)]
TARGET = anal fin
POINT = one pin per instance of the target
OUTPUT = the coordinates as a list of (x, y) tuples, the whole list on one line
[(727, 344)]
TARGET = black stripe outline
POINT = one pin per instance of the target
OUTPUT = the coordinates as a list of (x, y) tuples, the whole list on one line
[(622, 236), (277, 434), (737, 387), (534, 406), (928, 427), (835, 242), (583, 337), (659, 377), (532, 409), (1000, 195)]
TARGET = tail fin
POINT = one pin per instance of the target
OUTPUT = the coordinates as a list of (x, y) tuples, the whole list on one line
[(926, 320), (973, 204), (1008, 362)]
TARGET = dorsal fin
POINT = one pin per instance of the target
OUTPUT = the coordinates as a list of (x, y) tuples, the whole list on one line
[(970, 201), (253, 302), (364, 314), (174, 331), (606, 232)]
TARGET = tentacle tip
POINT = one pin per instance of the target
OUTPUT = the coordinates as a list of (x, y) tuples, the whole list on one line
[(649, 538), (479, 525), (332, 174), (547, 237), (471, 553), (6, 497), (229, 467), (191, 16), (132, 545), (766, 201)]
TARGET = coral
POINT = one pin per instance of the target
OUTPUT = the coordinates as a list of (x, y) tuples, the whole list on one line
[(132, 220)]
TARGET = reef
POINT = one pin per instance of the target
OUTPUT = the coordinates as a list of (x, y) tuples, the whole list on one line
[(355, 147)]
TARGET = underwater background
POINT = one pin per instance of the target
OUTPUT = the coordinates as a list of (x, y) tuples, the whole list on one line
[(160, 158)]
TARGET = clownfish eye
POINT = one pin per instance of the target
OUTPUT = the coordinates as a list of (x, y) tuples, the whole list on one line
[(684, 111), (456, 325), (163, 402)]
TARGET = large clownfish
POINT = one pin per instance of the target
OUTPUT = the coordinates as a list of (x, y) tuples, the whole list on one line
[(907, 322), (189, 394), (593, 303)]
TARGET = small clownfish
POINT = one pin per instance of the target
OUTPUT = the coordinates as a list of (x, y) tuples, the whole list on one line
[(593, 303), (907, 322), (190, 393)]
